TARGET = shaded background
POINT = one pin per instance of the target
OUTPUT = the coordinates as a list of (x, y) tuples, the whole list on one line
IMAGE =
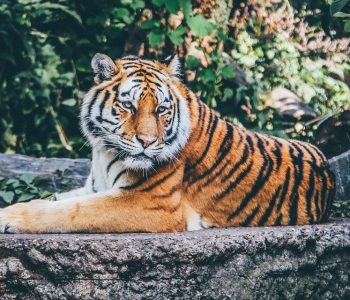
[(275, 66)]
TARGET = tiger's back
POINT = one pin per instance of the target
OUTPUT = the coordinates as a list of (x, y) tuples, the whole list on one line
[(243, 178)]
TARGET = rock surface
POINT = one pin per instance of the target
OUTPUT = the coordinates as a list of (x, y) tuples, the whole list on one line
[(306, 262), (58, 174), (340, 166)]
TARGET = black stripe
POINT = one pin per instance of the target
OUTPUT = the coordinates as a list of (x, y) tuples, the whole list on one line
[(111, 163), (317, 201), (298, 177), (234, 183), (215, 123), (129, 91), (93, 100), (278, 154), (142, 72), (270, 208), (260, 181), (235, 167), (169, 140), (153, 75), (172, 191), (101, 120), (93, 184), (118, 176), (201, 118), (225, 148), (210, 120), (158, 182), (135, 184), (217, 174), (251, 216), (276, 140), (93, 129), (309, 194), (284, 190), (278, 220), (103, 102), (148, 67), (175, 112)]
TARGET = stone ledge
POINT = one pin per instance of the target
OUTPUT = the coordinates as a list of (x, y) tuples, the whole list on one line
[(306, 262)]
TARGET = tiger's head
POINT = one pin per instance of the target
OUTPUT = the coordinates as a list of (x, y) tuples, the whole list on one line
[(137, 110)]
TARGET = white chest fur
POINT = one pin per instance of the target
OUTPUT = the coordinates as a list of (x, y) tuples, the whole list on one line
[(107, 172)]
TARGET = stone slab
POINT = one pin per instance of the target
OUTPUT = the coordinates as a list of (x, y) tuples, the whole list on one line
[(305, 262)]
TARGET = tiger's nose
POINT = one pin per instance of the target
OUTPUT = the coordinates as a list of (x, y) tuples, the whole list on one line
[(145, 141)]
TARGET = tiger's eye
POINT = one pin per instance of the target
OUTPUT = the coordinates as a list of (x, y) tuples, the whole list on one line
[(161, 109), (127, 105)]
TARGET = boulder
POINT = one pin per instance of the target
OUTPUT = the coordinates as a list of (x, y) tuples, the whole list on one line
[(57, 174)]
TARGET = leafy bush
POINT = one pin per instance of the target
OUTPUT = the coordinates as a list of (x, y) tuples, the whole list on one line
[(234, 53), (338, 8), (24, 189)]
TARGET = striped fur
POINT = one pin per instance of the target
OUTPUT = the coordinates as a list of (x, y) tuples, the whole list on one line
[(164, 161)]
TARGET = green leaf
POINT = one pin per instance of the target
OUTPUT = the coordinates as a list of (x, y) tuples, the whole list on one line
[(12, 181), (340, 14), (338, 5), (25, 197), (158, 3), (228, 93), (227, 72), (150, 24), (172, 6), (124, 15), (186, 6), (207, 75), (137, 4), (27, 178), (47, 6), (192, 62), (7, 196), (176, 35), (200, 25), (347, 26), (156, 37), (69, 102)]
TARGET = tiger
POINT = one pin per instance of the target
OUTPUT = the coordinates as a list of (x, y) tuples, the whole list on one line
[(163, 161)]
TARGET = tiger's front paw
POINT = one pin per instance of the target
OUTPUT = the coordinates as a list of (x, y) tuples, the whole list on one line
[(18, 218)]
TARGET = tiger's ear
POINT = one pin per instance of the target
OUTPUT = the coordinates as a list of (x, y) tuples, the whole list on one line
[(103, 67), (174, 65)]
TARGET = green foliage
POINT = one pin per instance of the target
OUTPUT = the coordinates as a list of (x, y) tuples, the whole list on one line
[(336, 10), (23, 189), (46, 47), (341, 208)]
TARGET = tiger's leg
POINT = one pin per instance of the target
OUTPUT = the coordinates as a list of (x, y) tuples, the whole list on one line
[(100, 212)]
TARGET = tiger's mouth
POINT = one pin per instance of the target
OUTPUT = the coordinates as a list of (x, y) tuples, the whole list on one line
[(142, 156)]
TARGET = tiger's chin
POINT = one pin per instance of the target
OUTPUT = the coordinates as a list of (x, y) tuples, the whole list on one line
[(141, 162)]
